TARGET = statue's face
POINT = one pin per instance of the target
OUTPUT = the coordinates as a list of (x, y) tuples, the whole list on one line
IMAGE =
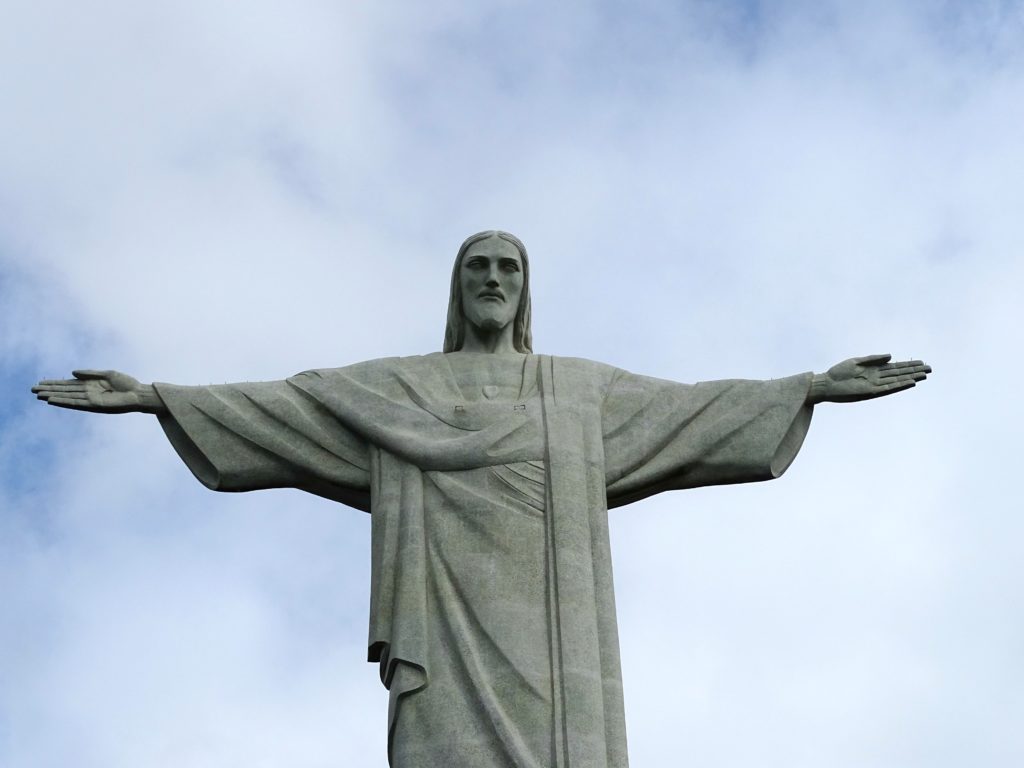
[(491, 278)]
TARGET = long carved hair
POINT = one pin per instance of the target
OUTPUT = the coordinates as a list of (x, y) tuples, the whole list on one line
[(455, 332)]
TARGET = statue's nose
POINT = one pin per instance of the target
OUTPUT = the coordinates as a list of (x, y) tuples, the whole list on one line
[(493, 274)]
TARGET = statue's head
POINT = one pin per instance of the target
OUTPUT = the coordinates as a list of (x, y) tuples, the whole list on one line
[(490, 289)]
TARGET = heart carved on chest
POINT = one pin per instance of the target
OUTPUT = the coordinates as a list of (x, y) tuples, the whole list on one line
[(490, 391)]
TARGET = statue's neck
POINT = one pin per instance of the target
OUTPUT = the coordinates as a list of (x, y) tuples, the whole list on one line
[(495, 342)]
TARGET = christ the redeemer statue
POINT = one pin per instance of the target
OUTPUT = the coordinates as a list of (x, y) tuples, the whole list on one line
[(488, 471)]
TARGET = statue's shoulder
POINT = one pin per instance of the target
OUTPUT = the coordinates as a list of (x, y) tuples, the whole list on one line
[(374, 372), (588, 379), (583, 367), (390, 365)]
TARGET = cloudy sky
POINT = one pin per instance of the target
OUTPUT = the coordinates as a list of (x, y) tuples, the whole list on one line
[(205, 192)]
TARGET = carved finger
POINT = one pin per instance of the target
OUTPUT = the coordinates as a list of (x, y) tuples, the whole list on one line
[(873, 359), (897, 386), (67, 402), (904, 378), (903, 369), (47, 393), (63, 396), (48, 382), (69, 395), (89, 373), (901, 364), (72, 386), (891, 371)]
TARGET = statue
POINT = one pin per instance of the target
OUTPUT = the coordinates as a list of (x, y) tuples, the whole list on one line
[(488, 471)]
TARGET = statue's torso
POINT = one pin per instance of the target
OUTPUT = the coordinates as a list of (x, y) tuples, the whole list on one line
[(487, 593), (494, 377)]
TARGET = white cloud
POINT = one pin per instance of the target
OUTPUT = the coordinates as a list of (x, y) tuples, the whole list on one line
[(197, 193)]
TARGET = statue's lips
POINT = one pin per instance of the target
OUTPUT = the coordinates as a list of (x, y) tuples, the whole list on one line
[(496, 296)]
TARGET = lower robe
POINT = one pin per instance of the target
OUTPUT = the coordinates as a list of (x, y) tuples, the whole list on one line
[(492, 612)]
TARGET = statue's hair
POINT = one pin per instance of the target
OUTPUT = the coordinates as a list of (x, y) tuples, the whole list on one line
[(455, 332)]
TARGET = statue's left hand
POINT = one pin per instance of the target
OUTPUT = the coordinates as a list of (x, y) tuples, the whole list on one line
[(862, 378)]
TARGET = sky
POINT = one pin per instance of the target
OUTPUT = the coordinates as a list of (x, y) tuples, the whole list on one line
[(203, 192)]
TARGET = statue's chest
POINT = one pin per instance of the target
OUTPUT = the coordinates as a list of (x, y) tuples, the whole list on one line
[(491, 379), (490, 389)]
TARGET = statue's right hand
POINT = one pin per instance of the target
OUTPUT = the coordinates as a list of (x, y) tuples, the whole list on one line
[(97, 391)]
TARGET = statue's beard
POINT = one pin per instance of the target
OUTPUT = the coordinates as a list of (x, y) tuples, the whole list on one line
[(487, 328), (489, 321)]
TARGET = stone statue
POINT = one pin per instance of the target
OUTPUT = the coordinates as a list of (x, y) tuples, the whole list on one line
[(488, 471)]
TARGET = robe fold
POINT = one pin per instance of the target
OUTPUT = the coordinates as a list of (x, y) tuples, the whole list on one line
[(492, 611)]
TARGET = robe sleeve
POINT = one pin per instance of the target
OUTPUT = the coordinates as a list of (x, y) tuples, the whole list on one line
[(253, 436), (660, 435)]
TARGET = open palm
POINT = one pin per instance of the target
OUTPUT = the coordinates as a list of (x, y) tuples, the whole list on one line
[(862, 378), (96, 391)]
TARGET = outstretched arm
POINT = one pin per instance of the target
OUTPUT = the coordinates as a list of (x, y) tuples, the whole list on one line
[(100, 392), (862, 378)]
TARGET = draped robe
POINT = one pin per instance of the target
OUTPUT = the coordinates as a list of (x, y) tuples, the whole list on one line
[(492, 612)]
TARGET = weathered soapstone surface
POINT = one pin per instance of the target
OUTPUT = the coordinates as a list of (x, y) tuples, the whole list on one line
[(488, 471)]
